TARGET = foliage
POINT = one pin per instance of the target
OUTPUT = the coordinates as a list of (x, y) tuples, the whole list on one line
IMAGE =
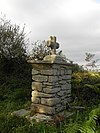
[(77, 68), (12, 40), (89, 125), (86, 86), (39, 50), (91, 61), (15, 72)]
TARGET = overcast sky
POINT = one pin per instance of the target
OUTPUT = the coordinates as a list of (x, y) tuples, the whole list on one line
[(75, 23)]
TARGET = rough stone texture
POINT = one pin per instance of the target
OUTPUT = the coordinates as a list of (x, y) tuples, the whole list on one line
[(21, 112), (41, 117), (51, 91), (50, 101), (34, 72), (43, 109), (35, 100), (39, 78), (69, 72), (51, 85), (41, 94), (62, 93), (49, 72), (53, 79), (37, 86)]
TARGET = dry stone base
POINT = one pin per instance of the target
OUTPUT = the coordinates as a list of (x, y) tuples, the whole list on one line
[(42, 109), (51, 85)]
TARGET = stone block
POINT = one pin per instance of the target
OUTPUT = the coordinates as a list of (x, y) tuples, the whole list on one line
[(42, 109), (64, 87), (41, 95), (69, 72), (35, 100), (69, 81), (69, 91), (53, 79), (56, 66), (60, 78), (49, 72), (34, 93), (62, 93), (68, 86), (50, 101), (40, 78), (62, 71), (21, 112), (51, 91), (60, 108), (63, 82), (68, 77), (64, 77), (34, 72), (47, 84), (41, 118), (37, 86)]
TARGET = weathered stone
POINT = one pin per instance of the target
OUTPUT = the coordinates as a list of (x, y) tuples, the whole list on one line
[(65, 97), (34, 72), (68, 72), (69, 81), (53, 79), (49, 72), (60, 108), (63, 82), (41, 117), (55, 59), (21, 112), (44, 95), (56, 66), (51, 91), (62, 93), (51, 87), (64, 77), (68, 77), (47, 83), (69, 99), (42, 109), (69, 91), (50, 101), (62, 71), (60, 78), (40, 78), (66, 87), (37, 86), (35, 100), (41, 95), (35, 93), (64, 102)]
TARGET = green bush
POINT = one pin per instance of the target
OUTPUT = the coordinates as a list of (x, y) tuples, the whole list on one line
[(86, 86)]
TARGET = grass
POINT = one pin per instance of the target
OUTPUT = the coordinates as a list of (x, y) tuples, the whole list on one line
[(15, 96)]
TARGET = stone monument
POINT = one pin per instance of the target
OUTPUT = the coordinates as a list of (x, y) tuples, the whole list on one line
[(51, 84), (53, 44)]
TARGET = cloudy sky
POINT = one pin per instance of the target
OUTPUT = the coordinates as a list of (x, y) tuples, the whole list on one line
[(75, 23)]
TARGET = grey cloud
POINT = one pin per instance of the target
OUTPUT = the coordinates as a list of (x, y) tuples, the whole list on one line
[(77, 35)]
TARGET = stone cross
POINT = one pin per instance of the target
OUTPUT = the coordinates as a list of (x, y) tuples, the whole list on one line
[(53, 44)]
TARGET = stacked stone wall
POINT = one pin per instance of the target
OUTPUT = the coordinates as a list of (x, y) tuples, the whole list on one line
[(51, 87)]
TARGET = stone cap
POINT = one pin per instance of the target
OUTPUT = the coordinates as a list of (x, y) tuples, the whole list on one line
[(51, 59)]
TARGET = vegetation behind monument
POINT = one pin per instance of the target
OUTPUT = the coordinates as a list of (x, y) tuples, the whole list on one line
[(15, 72)]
